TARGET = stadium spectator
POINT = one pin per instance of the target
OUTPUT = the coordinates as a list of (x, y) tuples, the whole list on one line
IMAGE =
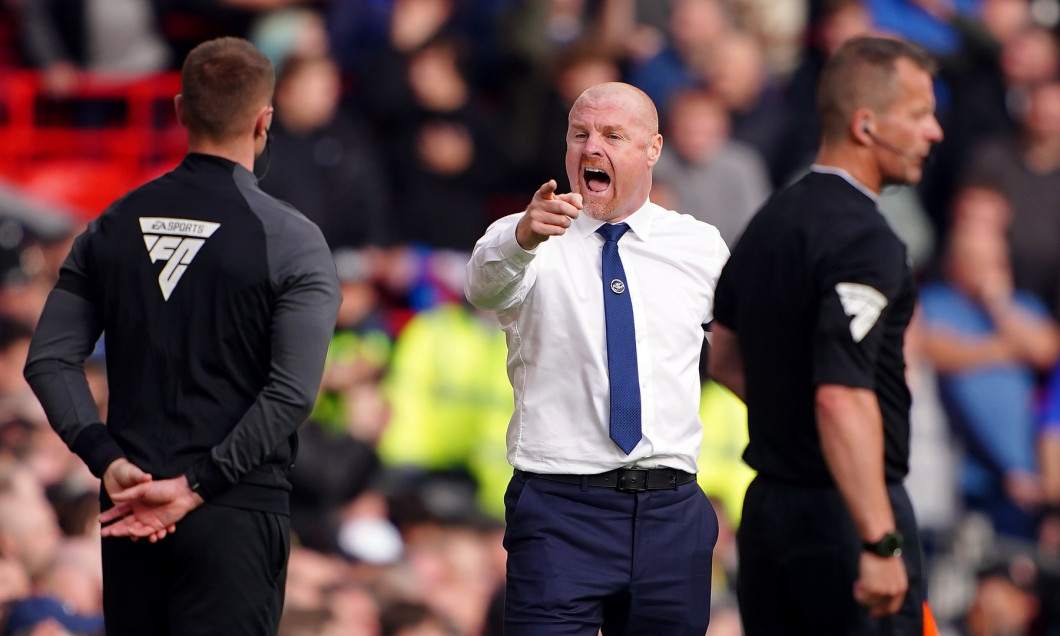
[(695, 26), (29, 530), (715, 178), (450, 407), (322, 161), (117, 38), (740, 78), (831, 23), (444, 158), (1025, 168), (989, 341), (42, 615), (75, 576), (412, 619)]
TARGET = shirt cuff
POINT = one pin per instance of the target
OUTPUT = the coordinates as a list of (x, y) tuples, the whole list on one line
[(513, 252), (206, 479), (95, 446)]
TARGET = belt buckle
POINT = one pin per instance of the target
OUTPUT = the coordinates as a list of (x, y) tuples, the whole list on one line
[(632, 479)]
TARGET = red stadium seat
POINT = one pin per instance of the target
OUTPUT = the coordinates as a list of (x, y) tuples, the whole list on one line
[(43, 147)]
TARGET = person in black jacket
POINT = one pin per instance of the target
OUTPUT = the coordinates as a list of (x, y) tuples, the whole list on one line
[(217, 302), (810, 313)]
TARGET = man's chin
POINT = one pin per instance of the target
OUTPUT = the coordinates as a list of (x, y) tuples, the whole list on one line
[(596, 208), (909, 178)]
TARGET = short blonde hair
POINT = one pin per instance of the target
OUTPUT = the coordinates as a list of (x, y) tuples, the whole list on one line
[(862, 74)]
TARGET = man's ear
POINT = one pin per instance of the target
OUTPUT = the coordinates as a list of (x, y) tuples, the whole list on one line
[(863, 126), (178, 106), (263, 122), (655, 149)]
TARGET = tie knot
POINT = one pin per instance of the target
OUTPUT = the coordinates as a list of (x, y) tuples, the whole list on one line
[(612, 232)]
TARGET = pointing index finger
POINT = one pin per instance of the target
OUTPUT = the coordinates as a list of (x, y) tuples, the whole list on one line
[(547, 190)]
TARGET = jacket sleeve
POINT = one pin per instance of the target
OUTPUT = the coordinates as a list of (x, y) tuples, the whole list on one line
[(55, 366)]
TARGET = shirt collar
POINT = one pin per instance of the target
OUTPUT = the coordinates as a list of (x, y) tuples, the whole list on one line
[(839, 172), (639, 222)]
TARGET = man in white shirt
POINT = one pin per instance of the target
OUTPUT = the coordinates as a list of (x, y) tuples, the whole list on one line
[(604, 297)]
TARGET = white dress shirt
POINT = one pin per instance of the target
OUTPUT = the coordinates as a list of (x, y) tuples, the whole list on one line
[(550, 305)]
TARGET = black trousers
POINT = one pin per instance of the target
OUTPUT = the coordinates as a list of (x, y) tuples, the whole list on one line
[(221, 573), (799, 555)]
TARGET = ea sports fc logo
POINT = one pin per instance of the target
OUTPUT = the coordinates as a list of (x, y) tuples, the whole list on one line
[(175, 241)]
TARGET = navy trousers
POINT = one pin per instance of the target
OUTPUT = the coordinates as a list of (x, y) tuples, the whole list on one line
[(582, 559)]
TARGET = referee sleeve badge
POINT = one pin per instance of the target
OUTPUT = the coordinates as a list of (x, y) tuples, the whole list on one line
[(863, 304)]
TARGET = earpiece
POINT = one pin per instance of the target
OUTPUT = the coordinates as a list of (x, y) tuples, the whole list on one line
[(266, 154), (865, 127)]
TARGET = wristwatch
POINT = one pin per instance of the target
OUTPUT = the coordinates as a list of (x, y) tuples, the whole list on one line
[(889, 546)]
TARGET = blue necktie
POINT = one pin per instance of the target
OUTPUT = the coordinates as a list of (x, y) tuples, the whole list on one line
[(621, 342)]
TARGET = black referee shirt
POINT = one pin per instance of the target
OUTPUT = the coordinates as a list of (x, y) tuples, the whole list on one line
[(217, 303), (818, 291)]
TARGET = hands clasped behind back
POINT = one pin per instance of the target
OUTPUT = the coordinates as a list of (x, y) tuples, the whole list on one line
[(144, 508), (549, 214)]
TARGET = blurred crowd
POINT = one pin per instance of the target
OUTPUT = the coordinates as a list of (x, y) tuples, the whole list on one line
[(404, 127)]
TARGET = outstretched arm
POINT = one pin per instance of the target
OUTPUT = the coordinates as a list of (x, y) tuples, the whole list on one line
[(497, 274)]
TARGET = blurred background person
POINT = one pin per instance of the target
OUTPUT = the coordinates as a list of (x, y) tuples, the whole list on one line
[(1006, 601), (989, 341), (449, 412), (831, 22), (739, 76), (714, 178), (694, 28), (113, 37), (322, 162), (1025, 168), (412, 619), (29, 531), (443, 157), (43, 615), (983, 80)]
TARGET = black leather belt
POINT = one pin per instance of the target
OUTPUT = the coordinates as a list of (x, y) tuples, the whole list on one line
[(624, 479)]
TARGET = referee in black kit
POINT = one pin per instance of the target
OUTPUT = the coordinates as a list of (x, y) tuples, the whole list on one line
[(811, 311), (217, 303)]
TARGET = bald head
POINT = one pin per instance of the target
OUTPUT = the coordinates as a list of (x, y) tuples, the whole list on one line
[(613, 142), (634, 101)]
